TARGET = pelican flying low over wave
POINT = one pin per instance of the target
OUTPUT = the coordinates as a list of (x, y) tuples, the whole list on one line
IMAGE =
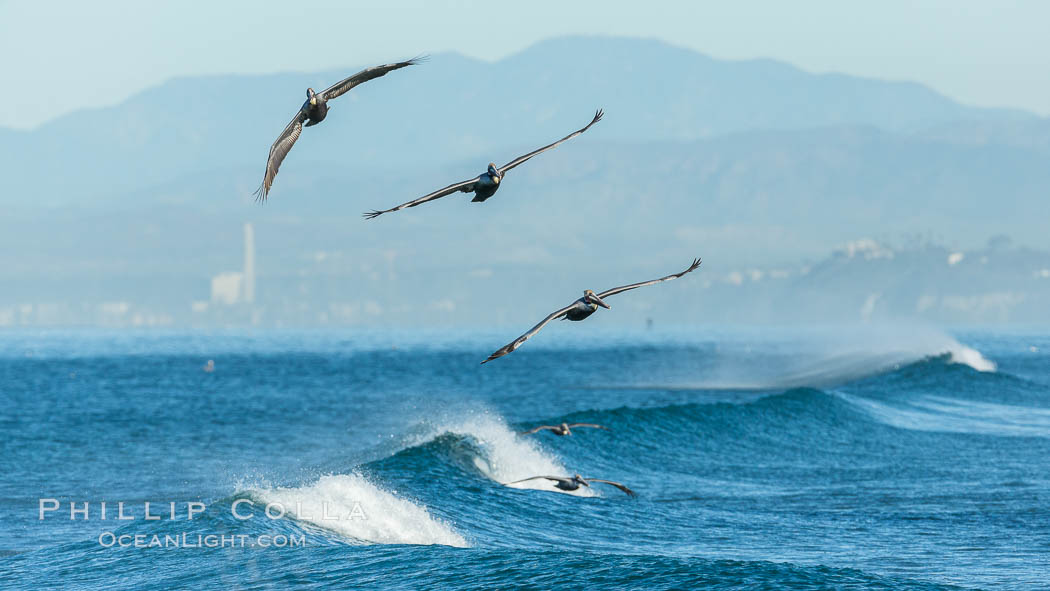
[(581, 309), (313, 111), (562, 429), (574, 483), (487, 183)]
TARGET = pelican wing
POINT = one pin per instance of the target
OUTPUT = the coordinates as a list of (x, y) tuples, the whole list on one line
[(342, 87), (554, 478), (616, 290), (521, 159), (513, 345), (574, 425), (536, 429), (629, 492), (278, 151), (465, 186)]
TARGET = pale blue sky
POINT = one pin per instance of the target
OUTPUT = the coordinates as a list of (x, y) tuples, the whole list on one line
[(60, 56)]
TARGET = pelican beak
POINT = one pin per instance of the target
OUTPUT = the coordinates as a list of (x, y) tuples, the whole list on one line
[(598, 300)]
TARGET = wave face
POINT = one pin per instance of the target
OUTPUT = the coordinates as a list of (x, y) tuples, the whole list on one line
[(761, 459), (938, 413)]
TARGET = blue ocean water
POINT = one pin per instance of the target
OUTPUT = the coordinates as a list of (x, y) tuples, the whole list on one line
[(842, 459)]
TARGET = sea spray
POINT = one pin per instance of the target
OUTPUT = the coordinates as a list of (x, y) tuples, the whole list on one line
[(818, 358), (964, 355)]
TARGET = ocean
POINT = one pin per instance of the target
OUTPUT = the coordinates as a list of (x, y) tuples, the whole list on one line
[(834, 458)]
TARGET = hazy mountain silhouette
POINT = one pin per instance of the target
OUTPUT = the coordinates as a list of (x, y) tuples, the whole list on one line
[(448, 109)]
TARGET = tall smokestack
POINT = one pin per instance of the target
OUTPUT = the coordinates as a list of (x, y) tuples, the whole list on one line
[(249, 263)]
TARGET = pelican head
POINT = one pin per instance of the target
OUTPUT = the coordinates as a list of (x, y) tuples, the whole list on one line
[(565, 429), (591, 297), (493, 172), (310, 94), (580, 479)]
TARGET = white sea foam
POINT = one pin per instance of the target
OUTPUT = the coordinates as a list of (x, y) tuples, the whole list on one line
[(352, 506), (960, 353)]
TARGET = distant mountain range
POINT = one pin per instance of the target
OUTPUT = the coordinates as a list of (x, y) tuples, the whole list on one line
[(453, 108), (751, 163)]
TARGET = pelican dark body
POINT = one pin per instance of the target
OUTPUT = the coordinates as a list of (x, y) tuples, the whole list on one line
[(487, 184), (584, 307), (570, 484), (315, 108)]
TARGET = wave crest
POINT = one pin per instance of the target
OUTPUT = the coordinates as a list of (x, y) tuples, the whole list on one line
[(824, 360), (960, 353)]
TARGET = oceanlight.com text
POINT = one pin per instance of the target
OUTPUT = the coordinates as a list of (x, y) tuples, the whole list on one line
[(185, 540)]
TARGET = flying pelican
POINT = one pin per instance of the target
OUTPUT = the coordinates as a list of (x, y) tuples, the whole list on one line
[(562, 429), (582, 308), (574, 483), (313, 111), (485, 185)]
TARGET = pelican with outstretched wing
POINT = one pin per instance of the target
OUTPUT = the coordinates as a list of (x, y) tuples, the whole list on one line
[(570, 484), (313, 111), (582, 308), (562, 429), (487, 183)]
